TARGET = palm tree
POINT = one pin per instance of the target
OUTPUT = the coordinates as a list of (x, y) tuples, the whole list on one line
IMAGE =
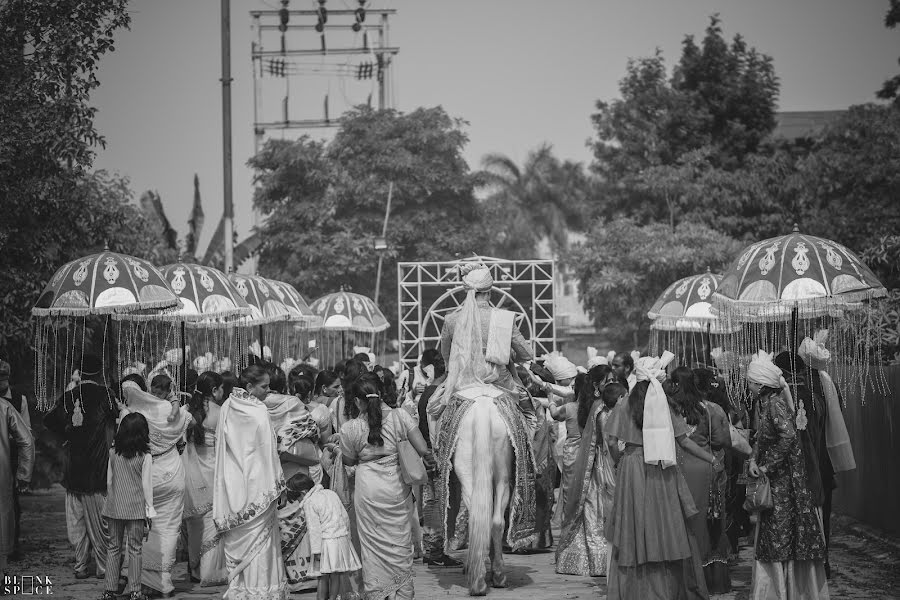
[(550, 194)]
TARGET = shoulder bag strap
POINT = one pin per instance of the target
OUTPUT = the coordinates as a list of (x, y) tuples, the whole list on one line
[(399, 424)]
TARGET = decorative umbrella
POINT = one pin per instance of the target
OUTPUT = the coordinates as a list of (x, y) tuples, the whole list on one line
[(795, 273), (265, 306), (207, 295), (683, 312), (295, 303), (210, 318), (686, 305), (344, 314), (809, 283), (276, 312), (103, 284), (346, 311), (292, 339)]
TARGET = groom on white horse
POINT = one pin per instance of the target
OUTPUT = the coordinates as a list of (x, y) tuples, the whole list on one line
[(484, 433)]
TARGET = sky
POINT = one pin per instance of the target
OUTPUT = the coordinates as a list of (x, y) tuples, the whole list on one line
[(519, 72)]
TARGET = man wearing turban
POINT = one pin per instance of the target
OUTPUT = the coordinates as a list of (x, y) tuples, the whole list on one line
[(502, 342)]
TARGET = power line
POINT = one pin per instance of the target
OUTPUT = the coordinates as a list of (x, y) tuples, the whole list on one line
[(367, 59)]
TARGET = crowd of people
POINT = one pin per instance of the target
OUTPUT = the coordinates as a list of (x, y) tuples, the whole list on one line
[(275, 482)]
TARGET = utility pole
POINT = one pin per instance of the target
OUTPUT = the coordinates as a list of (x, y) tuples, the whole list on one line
[(228, 215), (381, 243)]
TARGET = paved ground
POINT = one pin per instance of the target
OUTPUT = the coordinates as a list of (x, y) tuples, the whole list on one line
[(865, 563)]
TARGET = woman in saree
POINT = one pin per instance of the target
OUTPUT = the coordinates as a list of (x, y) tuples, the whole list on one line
[(206, 563), (545, 464), (563, 411), (708, 427), (297, 438), (302, 387), (343, 476), (296, 430), (583, 549), (342, 409), (382, 500), (168, 481), (297, 557), (248, 482), (653, 554), (327, 387)]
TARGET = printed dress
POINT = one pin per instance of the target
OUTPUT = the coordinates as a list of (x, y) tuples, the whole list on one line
[(790, 548), (583, 549)]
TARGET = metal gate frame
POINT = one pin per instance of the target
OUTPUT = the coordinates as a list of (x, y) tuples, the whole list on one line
[(518, 279)]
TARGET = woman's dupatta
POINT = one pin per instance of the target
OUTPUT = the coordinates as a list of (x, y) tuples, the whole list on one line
[(584, 464), (248, 476), (163, 434), (283, 409)]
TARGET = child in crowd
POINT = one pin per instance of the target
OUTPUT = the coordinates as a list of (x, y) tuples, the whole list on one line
[(129, 503), (161, 387), (333, 556)]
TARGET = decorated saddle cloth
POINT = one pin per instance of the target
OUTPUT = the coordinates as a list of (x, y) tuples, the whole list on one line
[(521, 526)]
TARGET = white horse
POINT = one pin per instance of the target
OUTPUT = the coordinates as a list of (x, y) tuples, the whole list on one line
[(483, 462)]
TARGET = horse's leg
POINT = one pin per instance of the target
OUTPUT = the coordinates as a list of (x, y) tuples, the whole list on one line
[(462, 467), (502, 462), (475, 478)]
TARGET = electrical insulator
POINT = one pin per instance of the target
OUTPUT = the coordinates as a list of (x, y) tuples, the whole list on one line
[(356, 27), (284, 15), (360, 15), (322, 14)]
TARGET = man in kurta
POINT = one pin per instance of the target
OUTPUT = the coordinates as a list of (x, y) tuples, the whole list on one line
[(19, 401), (85, 417), (493, 326), (14, 433)]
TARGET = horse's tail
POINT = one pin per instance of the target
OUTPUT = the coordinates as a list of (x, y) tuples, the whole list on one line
[(481, 505)]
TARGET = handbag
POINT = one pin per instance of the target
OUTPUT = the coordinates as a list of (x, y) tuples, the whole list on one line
[(412, 468), (340, 482), (759, 494), (739, 442), (716, 502)]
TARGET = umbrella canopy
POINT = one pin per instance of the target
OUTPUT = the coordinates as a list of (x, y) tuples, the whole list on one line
[(102, 284), (207, 295), (265, 307), (295, 303), (346, 311), (815, 276), (686, 305)]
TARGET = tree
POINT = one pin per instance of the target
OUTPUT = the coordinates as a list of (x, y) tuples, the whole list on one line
[(325, 203), (622, 268), (759, 199), (883, 257), (720, 96), (735, 86), (851, 178), (890, 90), (546, 198), (651, 124), (49, 53)]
